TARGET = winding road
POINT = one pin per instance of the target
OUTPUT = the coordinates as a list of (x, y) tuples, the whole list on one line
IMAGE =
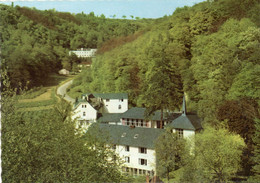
[(62, 91)]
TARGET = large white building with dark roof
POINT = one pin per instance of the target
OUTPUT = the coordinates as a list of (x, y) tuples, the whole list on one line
[(134, 135), (131, 132), (135, 145)]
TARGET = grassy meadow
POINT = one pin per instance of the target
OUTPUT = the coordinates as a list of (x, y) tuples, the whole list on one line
[(43, 97)]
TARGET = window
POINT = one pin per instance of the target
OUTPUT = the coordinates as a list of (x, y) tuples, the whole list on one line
[(119, 107), (127, 122), (142, 150), (84, 113), (114, 146), (84, 106), (107, 100), (179, 133), (142, 161), (127, 159), (142, 123), (81, 123), (121, 100), (158, 124), (123, 134), (127, 148)]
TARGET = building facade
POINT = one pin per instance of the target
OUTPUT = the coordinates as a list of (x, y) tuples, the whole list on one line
[(133, 135), (91, 106), (135, 146), (84, 52)]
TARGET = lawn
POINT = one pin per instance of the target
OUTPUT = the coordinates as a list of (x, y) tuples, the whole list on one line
[(41, 98)]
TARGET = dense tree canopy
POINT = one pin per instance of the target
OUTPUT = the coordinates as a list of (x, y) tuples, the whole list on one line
[(216, 156), (36, 43), (43, 146)]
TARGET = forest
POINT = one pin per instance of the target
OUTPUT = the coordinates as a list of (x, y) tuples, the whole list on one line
[(209, 52), (36, 43)]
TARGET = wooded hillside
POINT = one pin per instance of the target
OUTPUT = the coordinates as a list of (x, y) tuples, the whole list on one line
[(209, 51), (36, 43)]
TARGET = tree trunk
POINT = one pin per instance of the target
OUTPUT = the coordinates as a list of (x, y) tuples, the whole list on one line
[(161, 122)]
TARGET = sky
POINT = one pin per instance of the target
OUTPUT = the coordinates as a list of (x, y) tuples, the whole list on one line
[(137, 8)]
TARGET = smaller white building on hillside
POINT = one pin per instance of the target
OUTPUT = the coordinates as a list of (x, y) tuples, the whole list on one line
[(84, 52), (85, 114), (64, 72), (91, 106)]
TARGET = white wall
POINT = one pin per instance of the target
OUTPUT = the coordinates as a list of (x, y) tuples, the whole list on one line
[(91, 113), (112, 106), (186, 133), (134, 157), (84, 53)]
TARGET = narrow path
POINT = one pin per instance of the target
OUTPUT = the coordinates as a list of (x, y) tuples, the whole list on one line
[(62, 91)]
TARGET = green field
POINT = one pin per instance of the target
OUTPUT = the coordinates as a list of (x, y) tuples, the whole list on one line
[(41, 98)]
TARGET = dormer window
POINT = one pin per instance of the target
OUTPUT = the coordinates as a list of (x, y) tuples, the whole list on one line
[(123, 135), (136, 136)]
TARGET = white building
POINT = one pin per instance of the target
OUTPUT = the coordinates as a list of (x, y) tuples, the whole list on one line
[(87, 109), (84, 52), (135, 146), (85, 114), (64, 72), (134, 135)]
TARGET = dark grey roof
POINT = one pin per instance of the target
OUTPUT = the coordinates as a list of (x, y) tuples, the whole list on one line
[(78, 102), (94, 102), (187, 122), (110, 117), (139, 113), (109, 95), (125, 135)]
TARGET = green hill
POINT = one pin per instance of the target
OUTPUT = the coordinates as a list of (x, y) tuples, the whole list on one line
[(205, 50), (36, 43)]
